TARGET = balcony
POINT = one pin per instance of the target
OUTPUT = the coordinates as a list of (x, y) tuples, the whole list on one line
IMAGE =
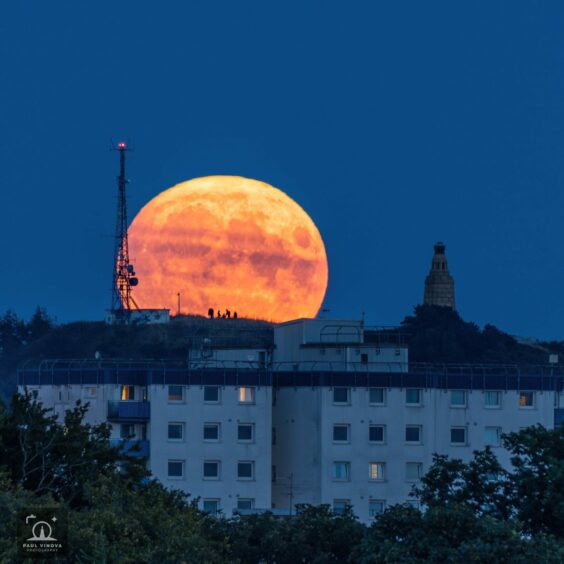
[(129, 411), (129, 448)]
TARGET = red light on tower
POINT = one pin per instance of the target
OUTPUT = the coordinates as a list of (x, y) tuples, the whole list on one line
[(121, 145)]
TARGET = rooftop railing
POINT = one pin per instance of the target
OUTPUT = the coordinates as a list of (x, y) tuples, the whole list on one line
[(314, 373)]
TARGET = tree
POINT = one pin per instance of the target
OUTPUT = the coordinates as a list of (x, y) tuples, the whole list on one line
[(40, 324), (43, 455), (537, 480), (450, 533)]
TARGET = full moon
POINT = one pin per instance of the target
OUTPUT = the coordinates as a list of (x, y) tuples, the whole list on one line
[(228, 243)]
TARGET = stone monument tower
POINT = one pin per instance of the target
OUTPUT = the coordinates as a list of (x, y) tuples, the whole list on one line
[(439, 284)]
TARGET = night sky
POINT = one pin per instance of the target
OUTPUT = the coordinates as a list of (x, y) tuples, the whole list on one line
[(394, 125)]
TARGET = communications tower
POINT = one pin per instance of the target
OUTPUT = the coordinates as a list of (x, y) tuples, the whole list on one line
[(124, 278)]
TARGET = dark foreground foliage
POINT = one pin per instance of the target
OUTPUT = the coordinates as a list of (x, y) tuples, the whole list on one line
[(475, 512)]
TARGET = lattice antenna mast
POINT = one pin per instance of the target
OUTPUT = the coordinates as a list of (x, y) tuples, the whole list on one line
[(124, 274)]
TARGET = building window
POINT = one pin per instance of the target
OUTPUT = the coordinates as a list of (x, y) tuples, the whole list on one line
[(176, 431), (413, 396), (376, 470), (211, 394), (127, 431), (458, 398), (363, 358), (413, 434), (375, 507), (340, 433), (211, 431), (341, 396), (377, 396), (245, 432), (211, 506), (458, 435), (176, 469), (526, 399), (342, 471), (492, 399), (246, 395), (245, 503), (492, 436), (339, 506), (413, 471), (246, 470), (127, 393), (211, 469), (176, 393), (377, 433)]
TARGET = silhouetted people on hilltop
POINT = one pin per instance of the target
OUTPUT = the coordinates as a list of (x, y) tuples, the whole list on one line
[(218, 315)]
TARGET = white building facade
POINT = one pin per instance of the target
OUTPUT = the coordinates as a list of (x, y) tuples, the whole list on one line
[(332, 414)]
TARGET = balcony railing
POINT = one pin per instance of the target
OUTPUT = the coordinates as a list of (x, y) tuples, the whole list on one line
[(132, 448), (128, 410)]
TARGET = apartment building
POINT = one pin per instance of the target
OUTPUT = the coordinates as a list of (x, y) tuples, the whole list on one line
[(333, 413)]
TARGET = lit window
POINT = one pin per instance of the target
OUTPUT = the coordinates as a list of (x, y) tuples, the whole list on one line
[(245, 470), (413, 434), (413, 471), (375, 507), (340, 433), (413, 396), (376, 433), (175, 393), (246, 395), (211, 469), (211, 506), (176, 468), (245, 503), (526, 399), (339, 506), (458, 435), (492, 436), (342, 471), (341, 395), (492, 399), (376, 470), (127, 393), (211, 394), (211, 431), (175, 431), (458, 398), (245, 432), (377, 396), (127, 431)]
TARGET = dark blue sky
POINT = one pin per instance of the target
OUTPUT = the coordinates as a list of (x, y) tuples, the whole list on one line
[(393, 124)]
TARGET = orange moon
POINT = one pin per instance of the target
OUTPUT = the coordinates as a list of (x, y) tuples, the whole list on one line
[(228, 242)]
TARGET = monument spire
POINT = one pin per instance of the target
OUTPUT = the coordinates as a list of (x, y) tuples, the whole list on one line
[(439, 284)]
